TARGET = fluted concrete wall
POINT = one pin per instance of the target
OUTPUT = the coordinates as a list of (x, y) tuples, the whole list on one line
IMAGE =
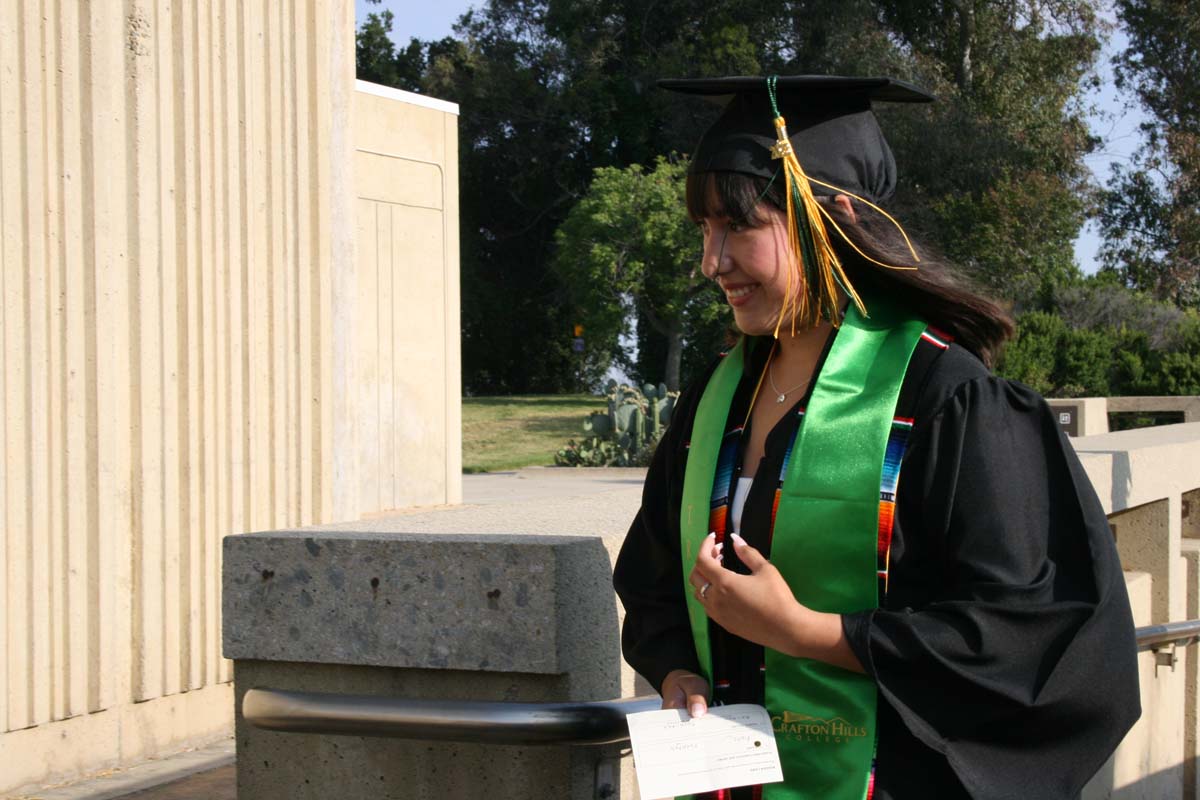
[(173, 178)]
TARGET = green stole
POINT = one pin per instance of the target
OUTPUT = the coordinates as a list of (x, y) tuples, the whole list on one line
[(824, 543)]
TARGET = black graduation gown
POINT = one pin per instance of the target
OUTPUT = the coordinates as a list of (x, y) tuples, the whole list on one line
[(1004, 650)]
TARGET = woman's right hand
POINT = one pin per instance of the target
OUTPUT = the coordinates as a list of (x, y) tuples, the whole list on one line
[(683, 689)]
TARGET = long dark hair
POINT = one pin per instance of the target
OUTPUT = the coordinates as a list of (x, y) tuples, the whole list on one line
[(936, 291)]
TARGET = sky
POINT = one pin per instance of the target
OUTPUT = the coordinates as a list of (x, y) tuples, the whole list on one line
[(1116, 125), (432, 19)]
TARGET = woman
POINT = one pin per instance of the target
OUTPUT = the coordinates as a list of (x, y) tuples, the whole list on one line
[(850, 520)]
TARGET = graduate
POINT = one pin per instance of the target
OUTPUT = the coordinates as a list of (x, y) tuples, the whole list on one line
[(850, 520)]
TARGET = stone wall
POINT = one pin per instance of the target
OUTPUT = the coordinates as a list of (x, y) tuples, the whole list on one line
[(180, 230)]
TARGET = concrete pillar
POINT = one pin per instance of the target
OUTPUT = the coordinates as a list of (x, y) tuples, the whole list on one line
[(1148, 540), (422, 616), (1128, 765), (1081, 416), (1191, 514), (1190, 664)]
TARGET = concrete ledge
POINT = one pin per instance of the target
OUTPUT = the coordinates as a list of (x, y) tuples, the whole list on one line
[(440, 601), (1146, 464), (1189, 405)]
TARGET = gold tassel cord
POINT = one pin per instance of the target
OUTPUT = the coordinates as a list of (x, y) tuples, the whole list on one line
[(908, 243), (809, 238), (825, 273), (856, 248)]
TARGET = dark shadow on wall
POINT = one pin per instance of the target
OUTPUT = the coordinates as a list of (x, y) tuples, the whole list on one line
[(1167, 784)]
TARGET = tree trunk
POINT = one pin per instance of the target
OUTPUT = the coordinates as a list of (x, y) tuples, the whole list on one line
[(966, 37), (674, 358)]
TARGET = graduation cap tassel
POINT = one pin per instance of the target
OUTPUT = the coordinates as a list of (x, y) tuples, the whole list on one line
[(819, 265)]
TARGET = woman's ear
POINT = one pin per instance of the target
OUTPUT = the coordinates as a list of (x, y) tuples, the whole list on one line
[(843, 202)]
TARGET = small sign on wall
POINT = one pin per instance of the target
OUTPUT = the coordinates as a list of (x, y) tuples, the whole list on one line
[(1068, 419)]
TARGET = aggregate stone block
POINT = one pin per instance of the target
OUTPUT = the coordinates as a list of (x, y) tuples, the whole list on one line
[(444, 601), (428, 616)]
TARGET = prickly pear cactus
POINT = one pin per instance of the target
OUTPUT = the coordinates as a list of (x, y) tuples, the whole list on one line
[(665, 408), (627, 434), (599, 424)]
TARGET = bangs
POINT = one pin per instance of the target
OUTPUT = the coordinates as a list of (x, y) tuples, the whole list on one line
[(729, 195)]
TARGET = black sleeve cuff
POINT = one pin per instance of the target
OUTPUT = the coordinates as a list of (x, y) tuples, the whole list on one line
[(669, 653), (857, 629)]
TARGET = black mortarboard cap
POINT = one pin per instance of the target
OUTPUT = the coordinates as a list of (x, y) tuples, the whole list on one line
[(829, 121)]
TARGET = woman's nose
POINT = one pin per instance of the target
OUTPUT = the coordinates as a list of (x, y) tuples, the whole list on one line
[(713, 262)]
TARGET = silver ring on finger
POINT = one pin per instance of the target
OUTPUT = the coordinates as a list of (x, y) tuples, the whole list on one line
[(704, 590)]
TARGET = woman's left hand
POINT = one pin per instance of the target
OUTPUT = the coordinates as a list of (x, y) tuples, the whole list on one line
[(758, 607)]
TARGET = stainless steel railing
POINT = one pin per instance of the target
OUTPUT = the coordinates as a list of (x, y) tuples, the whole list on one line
[(507, 723), (1180, 634), (445, 720)]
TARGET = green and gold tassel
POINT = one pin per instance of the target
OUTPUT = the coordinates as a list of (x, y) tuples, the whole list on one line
[(819, 265)]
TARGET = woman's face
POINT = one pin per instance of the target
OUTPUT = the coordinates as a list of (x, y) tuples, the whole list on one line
[(750, 260)]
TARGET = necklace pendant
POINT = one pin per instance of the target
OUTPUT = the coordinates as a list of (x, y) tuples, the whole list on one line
[(781, 398)]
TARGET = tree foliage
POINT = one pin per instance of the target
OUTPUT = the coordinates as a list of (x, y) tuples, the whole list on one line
[(1151, 212), (996, 175), (376, 56), (550, 91), (626, 252), (1098, 339)]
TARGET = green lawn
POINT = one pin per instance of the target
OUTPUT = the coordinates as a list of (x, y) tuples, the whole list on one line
[(501, 433)]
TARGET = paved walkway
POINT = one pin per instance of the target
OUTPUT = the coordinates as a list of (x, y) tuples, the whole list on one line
[(215, 784), (562, 501), (205, 773)]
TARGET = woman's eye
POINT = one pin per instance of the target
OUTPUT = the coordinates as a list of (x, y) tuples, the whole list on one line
[(736, 226)]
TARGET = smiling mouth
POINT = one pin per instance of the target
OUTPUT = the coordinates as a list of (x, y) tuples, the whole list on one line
[(740, 292)]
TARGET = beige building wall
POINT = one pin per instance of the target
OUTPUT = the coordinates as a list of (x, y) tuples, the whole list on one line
[(1145, 479), (406, 382), (177, 228)]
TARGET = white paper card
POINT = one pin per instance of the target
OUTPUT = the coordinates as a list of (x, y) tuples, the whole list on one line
[(674, 754)]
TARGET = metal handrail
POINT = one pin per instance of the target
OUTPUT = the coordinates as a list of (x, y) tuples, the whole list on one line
[(494, 722), (491, 722), (1182, 634)]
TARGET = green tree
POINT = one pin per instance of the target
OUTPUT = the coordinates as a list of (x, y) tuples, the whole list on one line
[(1015, 238), (995, 174), (1098, 303), (1176, 371), (519, 173), (377, 59), (1031, 357), (1151, 212), (551, 90), (1107, 349), (1059, 361), (628, 251)]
